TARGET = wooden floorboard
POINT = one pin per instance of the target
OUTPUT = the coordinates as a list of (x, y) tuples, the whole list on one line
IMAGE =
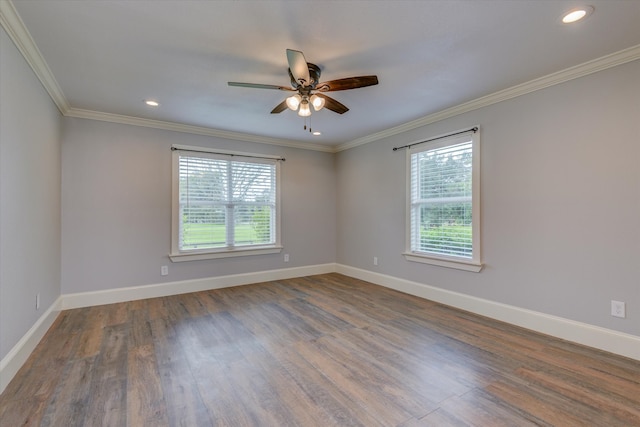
[(325, 350)]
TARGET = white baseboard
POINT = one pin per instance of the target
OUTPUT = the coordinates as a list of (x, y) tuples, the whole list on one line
[(110, 296), (18, 355), (582, 333), (605, 339)]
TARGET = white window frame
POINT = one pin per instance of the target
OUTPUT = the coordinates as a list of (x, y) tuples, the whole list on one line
[(177, 255), (473, 264)]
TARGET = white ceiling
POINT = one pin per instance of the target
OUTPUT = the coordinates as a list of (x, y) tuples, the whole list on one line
[(105, 57)]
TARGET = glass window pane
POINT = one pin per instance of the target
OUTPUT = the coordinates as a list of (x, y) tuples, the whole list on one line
[(225, 203), (203, 226), (253, 225), (441, 199), (446, 229)]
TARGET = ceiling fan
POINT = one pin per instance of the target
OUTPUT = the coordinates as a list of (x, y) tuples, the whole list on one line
[(305, 81)]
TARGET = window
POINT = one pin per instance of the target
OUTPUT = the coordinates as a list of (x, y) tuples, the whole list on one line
[(443, 206), (223, 205)]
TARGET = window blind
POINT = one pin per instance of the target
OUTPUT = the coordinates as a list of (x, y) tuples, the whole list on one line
[(225, 203), (441, 200)]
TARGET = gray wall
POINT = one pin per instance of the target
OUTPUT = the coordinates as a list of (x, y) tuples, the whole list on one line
[(116, 203), (29, 197), (560, 201)]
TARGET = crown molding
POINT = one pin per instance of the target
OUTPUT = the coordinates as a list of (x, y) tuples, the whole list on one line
[(197, 130), (15, 28), (599, 64), (17, 31)]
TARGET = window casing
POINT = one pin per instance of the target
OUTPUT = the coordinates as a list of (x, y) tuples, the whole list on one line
[(443, 202), (224, 205)]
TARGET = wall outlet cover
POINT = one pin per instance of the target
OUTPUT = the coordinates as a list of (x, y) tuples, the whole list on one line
[(618, 309)]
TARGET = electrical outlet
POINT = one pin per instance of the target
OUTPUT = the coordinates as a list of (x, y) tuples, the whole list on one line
[(618, 309), (286, 257), (375, 260), (37, 301), (164, 270)]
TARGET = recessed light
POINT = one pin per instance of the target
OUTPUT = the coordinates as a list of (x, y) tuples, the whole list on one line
[(151, 103), (577, 14), (317, 133)]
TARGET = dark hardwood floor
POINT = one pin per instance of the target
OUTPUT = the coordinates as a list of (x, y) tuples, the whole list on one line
[(324, 350)]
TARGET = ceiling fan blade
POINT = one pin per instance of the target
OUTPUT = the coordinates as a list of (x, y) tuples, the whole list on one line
[(280, 107), (348, 83), (260, 86), (332, 104), (298, 66)]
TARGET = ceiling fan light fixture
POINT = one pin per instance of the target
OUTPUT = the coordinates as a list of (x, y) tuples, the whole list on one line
[(293, 102), (317, 102), (307, 88), (304, 109)]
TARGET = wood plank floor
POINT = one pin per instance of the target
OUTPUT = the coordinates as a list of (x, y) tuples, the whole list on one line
[(323, 350)]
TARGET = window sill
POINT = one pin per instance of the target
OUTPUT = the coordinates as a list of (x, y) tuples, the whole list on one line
[(458, 264), (197, 256)]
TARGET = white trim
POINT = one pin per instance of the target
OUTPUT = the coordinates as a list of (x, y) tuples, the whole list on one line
[(20, 352), (111, 296), (581, 70), (13, 25), (582, 333), (18, 355), (593, 336), (176, 255), (198, 256), (196, 130), (432, 143), (620, 343), (458, 264)]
